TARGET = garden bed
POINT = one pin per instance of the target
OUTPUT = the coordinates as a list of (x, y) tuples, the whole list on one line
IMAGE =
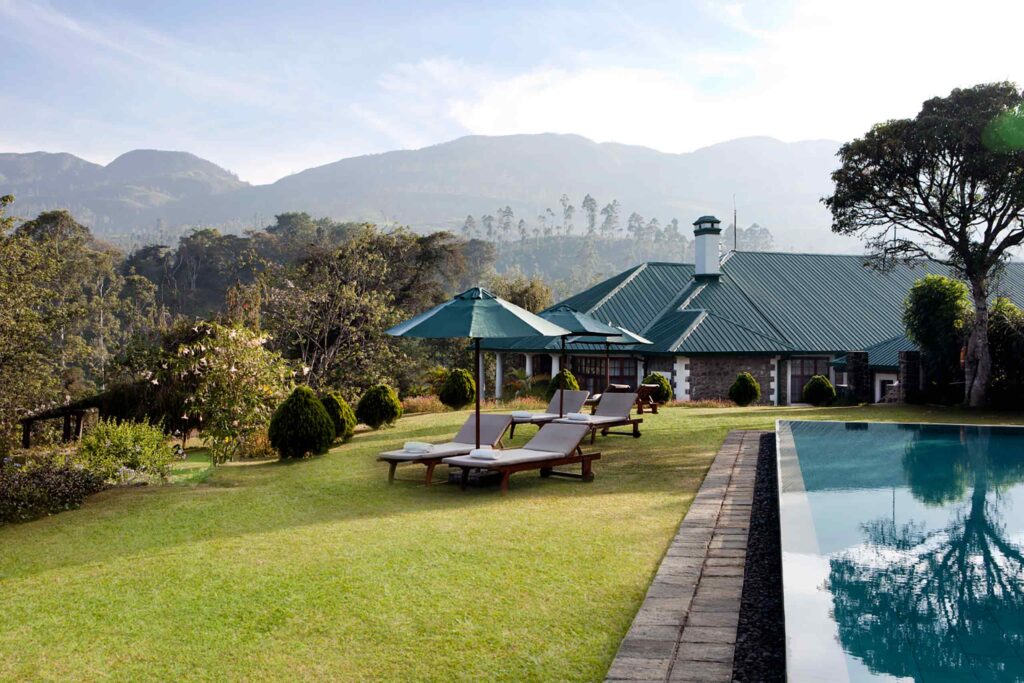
[(760, 636)]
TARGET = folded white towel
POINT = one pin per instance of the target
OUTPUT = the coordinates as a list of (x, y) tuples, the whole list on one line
[(417, 447), (484, 454), (578, 417), (522, 413)]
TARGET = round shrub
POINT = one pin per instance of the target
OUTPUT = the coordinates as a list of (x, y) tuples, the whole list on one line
[(458, 390), (341, 414), (745, 389), (301, 425), (379, 406), (664, 392), (563, 380), (819, 391)]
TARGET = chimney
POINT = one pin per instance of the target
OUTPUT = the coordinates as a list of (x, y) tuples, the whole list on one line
[(707, 235)]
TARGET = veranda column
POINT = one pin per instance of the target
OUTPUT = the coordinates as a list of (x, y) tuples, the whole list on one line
[(499, 373), (555, 364), (529, 364)]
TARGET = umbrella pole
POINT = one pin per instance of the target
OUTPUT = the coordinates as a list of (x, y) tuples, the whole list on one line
[(607, 365), (561, 394), (476, 344)]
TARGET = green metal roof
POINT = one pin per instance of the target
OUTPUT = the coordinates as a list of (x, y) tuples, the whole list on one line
[(882, 356), (764, 303)]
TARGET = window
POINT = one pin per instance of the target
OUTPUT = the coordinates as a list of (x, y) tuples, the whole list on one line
[(590, 372)]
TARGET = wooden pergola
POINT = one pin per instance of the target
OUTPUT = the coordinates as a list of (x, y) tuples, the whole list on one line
[(73, 415)]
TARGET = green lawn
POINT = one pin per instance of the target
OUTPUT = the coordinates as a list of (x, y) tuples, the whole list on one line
[(320, 569)]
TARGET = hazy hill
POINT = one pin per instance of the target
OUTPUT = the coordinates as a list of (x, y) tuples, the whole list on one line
[(776, 184)]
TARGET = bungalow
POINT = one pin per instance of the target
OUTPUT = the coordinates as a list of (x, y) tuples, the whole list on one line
[(782, 317)]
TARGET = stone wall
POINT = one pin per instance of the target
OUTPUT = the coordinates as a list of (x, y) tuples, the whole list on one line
[(711, 376)]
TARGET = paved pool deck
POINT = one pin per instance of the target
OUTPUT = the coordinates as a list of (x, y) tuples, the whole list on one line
[(685, 629)]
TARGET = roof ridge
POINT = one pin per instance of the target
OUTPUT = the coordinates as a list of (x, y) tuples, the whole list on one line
[(732, 322), (702, 315), (615, 290), (691, 290), (753, 304)]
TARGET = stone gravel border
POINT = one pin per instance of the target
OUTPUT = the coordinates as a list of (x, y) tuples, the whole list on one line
[(685, 629)]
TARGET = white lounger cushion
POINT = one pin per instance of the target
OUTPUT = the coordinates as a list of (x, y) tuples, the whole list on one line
[(523, 414), (509, 456), (439, 450), (592, 420)]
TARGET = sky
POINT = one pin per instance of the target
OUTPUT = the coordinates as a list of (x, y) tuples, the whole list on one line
[(266, 89)]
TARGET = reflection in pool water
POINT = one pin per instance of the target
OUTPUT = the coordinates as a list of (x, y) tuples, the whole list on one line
[(917, 534)]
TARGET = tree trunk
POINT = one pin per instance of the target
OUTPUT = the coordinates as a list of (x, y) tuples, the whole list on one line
[(978, 362)]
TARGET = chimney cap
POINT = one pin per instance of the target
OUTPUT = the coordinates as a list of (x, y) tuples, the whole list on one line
[(707, 225)]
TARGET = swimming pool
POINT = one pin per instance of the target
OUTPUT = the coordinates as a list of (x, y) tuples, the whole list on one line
[(902, 551)]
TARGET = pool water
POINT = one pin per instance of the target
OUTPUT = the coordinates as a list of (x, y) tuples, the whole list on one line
[(902, 551)]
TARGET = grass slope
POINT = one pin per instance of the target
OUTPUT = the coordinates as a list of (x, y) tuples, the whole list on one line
[(319, 569)]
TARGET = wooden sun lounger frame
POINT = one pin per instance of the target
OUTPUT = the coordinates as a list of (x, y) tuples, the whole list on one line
[(546, 468), (606, 429), (431, 464)]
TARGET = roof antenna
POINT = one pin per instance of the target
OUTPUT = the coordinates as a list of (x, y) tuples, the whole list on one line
[(735, 226)]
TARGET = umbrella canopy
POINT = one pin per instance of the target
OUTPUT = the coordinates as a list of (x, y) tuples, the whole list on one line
[(477, 314), (625, 338), (577, 323)]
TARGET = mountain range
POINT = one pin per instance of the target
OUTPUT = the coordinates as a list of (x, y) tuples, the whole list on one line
[(147, 196)]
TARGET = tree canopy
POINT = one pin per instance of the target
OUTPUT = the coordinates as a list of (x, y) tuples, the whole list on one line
[(946, 186)]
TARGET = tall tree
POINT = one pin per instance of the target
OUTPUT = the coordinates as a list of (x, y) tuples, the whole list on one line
[(506, 217), (610, 222), (589, 205), (469, 228), (568, 210), (946, 186)]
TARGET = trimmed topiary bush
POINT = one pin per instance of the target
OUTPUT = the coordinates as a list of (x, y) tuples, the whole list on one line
[(301, 425), (341, 414), (745, 390), (458, 390), (379, 406), (819, 391), (664, 392), (563, 380)]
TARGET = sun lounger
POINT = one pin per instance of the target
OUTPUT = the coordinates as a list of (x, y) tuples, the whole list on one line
[(573, 403), (645, 398), (492, 429), (610, 389), (613, 411), (552, 446)]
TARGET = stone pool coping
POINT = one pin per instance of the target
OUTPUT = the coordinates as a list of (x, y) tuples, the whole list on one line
[(685, 629)]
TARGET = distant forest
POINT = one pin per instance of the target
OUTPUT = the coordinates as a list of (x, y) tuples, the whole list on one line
[(571, 249)]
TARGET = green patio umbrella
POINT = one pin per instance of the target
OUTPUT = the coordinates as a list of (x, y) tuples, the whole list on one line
[(625, 338), (477, 314), (577, 323)]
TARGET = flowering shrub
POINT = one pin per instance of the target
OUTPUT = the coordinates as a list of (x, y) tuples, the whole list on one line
[(235, 384), (122, 452), (42, 487)]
